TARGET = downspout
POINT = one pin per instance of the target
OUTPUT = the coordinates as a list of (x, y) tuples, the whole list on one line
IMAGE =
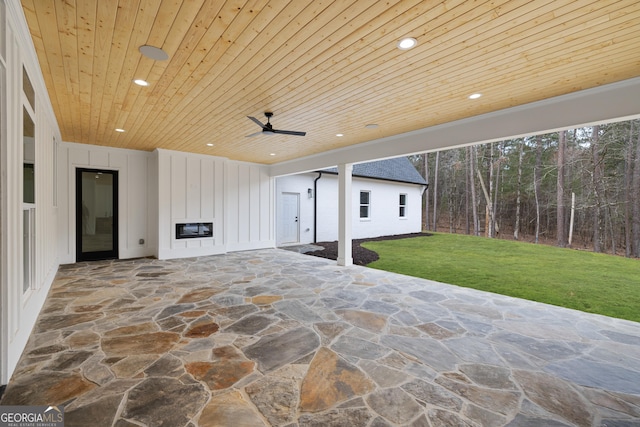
[(315, 207)]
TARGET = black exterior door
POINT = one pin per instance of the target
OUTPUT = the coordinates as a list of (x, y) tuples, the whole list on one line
[(96, 214)]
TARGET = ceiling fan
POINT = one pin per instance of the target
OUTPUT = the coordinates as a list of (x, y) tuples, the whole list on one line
[(268, 129)]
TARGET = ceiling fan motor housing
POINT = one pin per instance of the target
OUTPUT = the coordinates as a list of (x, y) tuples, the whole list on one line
[(268, 127)]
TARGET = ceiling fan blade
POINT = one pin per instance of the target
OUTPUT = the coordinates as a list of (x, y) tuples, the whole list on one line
[(289, 132), (258, 122), (254, 134), (267, 128)]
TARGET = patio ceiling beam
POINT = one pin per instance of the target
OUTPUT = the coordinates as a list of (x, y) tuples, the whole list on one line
[(607, 103)]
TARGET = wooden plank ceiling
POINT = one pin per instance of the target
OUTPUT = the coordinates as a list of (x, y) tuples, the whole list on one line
[(325, 67)]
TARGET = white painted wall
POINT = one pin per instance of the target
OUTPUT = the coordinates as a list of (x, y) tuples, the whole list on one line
[(249, 207), (237, 197), (18, 309), (298, 184), (190, 189), (162, 188), (135, 176), (384, 216)]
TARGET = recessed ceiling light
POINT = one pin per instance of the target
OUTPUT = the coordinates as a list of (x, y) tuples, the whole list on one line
[(153, 52), (272, 154), (475, 96), (371, 126), (119, 130), (209, 144), (407, 43), (339, 134), (141, 82)]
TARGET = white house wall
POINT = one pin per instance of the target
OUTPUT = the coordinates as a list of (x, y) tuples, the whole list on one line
[(135, 175), (18, 309), (249, 207), (327, 222), (384, 211), (190, 189), (300, 184), (235, 196)]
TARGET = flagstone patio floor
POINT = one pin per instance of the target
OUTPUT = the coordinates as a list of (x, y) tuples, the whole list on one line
[(273, 337)]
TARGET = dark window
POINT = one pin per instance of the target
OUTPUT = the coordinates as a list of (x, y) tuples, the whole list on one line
[(29, 155), (403, 205), (365, 204)]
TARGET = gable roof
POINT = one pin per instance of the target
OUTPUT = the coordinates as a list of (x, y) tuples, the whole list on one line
[(399, 169)]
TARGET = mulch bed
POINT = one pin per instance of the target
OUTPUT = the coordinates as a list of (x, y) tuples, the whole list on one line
[(361, 256)]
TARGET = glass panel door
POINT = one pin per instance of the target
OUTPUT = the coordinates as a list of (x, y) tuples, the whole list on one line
[(96, 214)]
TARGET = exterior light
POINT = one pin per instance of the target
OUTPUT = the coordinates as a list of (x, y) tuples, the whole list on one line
[(407, 43)]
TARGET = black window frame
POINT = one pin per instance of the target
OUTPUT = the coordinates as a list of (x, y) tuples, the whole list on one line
[(365, 205), (402, 205)]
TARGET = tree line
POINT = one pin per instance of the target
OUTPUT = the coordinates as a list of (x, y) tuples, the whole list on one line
[(575, 188)]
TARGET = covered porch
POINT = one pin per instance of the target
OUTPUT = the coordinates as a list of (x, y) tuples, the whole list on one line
[(273, 337)]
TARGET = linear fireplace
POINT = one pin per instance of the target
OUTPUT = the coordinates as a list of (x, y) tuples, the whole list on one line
[(194, 230)]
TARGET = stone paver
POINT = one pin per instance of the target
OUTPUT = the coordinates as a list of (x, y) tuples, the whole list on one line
[(276, 338)]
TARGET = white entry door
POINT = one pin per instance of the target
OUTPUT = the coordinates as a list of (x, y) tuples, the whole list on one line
[(290, 221)]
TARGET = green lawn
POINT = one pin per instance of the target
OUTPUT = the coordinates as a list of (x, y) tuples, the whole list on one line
[(595, 283)]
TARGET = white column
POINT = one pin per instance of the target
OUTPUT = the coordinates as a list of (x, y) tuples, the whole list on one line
[(345, 201)]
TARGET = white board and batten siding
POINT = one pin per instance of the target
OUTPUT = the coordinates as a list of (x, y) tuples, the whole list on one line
[(249, 207), (136, 174), (160, 189), (234, 196), (190, 189), (21, 298)]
